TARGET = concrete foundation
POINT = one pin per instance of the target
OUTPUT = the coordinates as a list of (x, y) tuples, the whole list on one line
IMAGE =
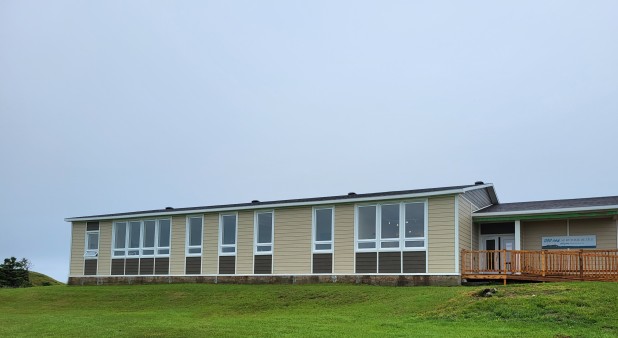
[(383, 280)]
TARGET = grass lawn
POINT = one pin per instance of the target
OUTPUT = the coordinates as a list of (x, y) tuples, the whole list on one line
[(203, 310)]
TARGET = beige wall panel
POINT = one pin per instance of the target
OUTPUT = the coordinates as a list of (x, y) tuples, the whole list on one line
[(210, 254), (441, 235), (344, 239), (78, 242), (177, 254), (105, 248), (475, 236), (532, 232), (244, 245), (603, 228), (292, 243), (465, 224)]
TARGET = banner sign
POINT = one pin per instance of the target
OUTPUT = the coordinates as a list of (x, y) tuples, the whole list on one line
[(570, 242)]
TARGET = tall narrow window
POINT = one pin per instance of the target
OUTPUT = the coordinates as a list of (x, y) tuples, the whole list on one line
[(323, 230), (92, 244), (120, 238), (389, 231), (367, 217), (227, 235), (194, 235), (164, 237), (148, 245), (264, 233), (415, 225), (134, 238)]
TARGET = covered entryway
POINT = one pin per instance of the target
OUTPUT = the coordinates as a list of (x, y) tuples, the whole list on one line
[(575, 239)]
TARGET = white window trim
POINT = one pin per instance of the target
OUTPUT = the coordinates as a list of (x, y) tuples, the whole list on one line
[(188, 232), (141, 248), (156, 237), (356, 239), (221, 245), (314, 242), (86, 250), (255, 233), (402, 239)]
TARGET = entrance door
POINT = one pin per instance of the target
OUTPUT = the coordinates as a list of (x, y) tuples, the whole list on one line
[(491, 243), (493, 260)]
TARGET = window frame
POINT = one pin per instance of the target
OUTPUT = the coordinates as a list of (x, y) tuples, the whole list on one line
[(87, 241), (141, 246), (221, 245), (256, 233), (188, 247), (314, 241), (402, 239)]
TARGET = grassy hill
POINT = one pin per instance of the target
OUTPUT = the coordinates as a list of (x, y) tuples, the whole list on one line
[(39, 279), (530, 310)]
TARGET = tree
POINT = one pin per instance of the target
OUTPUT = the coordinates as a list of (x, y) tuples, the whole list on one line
[(14, 273)]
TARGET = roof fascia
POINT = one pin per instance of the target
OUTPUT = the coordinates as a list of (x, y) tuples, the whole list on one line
[(539, 217), (266, 206), (543, 211)]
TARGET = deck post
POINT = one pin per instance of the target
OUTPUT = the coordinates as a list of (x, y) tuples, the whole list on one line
[(543, 263), (504, 265), (581, 264)]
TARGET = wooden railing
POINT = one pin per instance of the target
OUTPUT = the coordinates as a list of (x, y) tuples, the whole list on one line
[(540, 264)]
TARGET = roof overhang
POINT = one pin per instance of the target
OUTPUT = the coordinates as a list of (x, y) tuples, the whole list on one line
[(546, 214), (490, 188)]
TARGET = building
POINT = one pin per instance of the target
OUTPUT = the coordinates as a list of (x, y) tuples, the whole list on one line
[(411, 237)]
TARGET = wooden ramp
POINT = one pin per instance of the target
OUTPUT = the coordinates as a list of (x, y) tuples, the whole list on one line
[(540, 265)]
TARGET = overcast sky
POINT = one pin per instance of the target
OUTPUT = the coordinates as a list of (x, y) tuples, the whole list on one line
[(112, 106)]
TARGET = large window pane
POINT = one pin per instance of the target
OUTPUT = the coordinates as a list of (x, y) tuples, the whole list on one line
[(390, 221), (134, 231), (164, 233), (415, 220), (195, 231), (149, 234), (265, 229), (367, 222), (229, 230), (324, 224), (120, 236)]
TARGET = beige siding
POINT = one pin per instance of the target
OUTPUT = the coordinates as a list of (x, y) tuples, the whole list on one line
[(177, 254), (244, 244), (210, 255), (344, 239), (78, 242), (441, 236), (532, 232), (105, 248), (465, 224), (292, 242), (603, 228), (475, 236)]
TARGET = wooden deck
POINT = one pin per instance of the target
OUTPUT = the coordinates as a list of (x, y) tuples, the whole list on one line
[(540, 265)]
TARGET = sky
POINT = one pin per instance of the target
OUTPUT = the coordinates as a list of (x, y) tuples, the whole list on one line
[(113, 106)]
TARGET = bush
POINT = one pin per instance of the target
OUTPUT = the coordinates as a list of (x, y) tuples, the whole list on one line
[(14, 273)]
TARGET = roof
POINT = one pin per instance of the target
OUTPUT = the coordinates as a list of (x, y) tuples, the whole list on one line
[(349, 198), (575, 205)]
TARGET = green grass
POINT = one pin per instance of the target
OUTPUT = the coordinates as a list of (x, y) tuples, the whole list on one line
[(39, 279), (203, 310)]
